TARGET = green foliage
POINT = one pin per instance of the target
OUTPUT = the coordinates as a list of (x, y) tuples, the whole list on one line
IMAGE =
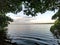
[(32, 7), (4, 20), (57, 15), (10, 6), (52, 29), (56, 26)]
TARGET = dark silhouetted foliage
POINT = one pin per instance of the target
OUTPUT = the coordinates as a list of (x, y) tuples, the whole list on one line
[(31, 6), (4, 20)]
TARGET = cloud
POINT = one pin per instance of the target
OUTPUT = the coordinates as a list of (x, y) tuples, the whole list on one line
[(40, 18), (20, 17)]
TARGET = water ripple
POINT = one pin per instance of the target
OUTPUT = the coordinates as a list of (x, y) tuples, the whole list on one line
[(25, 40)]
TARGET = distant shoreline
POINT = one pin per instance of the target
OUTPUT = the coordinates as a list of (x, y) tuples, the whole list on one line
[(42, 23), (28, 23)]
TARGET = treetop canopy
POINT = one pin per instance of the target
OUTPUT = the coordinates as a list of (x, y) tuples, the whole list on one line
[(31, 6)]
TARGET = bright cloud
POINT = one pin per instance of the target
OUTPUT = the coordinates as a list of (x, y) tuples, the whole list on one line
[(40, 18)]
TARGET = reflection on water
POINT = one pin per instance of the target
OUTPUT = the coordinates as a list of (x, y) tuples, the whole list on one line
[(31, 34)]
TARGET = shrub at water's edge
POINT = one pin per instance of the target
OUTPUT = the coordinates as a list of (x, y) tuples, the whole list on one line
[(4, 20), (56, 26)]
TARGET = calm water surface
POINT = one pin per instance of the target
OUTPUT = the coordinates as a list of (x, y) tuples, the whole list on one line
[(31, 34)]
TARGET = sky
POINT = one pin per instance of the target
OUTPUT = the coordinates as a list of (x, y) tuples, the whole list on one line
[(40, 18)]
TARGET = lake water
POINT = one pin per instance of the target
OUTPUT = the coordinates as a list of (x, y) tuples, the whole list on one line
[(31, 34)]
